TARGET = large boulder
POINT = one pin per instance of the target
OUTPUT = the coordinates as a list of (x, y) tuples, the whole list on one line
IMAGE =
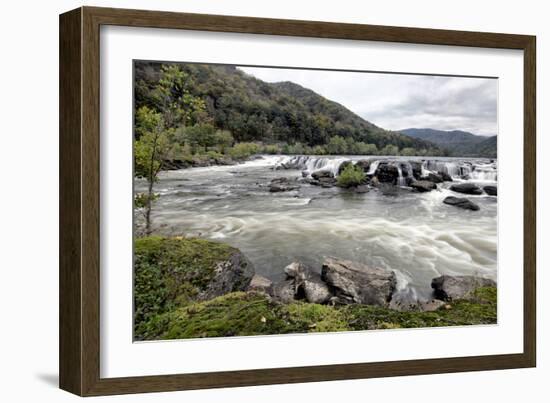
[(423, 185), (358, 283), (261, 284), (282, 185), (387, 173), (461, 202), (232, 274), (449, 288), (490, 190), (467, 188)]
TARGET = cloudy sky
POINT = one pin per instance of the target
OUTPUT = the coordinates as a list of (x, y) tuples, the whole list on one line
[(398, 101)]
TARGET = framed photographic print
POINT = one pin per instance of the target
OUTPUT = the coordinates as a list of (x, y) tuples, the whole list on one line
[(249, 201)]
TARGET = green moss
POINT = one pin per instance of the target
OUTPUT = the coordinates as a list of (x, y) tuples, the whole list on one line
[(482, 309), (237, 313), (171, 272), (316, 318), (248, 313)]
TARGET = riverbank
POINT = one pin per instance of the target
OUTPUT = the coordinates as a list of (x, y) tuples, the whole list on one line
[(192, 288)]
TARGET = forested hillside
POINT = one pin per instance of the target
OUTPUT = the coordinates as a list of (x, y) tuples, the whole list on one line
[(214, 108), (458, 143)]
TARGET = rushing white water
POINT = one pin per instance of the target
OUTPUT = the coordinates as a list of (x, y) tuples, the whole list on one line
[(457, 168), (414, 234)]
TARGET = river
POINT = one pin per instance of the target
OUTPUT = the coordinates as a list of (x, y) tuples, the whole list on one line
[(414, 234)]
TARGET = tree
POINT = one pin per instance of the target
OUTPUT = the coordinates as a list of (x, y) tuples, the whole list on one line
[(200, 135), (408, 151), (389, 150), (150, 149), (174, 99), (336, 145), (223, 139)]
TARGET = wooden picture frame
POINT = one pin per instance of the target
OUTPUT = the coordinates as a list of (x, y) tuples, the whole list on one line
[(79, 279)]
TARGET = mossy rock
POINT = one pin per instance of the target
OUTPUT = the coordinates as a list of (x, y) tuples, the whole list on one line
[(173, 272)]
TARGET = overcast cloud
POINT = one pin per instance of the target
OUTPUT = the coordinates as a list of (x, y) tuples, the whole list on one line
[(398, 101)]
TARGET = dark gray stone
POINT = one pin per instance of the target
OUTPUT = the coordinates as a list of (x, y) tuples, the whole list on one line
[(324, 173), (423, 186), (283, 185), (461, 202), (467, 188), (387, 173), (490, 190)]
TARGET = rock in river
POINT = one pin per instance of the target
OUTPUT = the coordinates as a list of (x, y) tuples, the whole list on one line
[(324, 173), (358, 283), (282, 185), (490, 190), (423, 185), (467, 188), (461, 202), (387, 173), (448, 288), (433, 177)]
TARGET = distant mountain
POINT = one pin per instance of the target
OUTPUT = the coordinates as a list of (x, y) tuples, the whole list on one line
[(283, 112), (458, 143)]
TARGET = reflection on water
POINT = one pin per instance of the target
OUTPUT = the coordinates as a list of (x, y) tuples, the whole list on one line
[(414, 234)]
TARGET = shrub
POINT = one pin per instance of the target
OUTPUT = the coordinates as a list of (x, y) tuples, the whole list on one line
[(243, 150), (351, 176), (271, 149)]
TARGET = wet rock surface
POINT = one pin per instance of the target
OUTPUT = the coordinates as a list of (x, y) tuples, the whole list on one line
[(461, 202), (467, 188)]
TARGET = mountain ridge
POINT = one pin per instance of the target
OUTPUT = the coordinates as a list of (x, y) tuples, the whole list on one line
[(283, 112), (459, 143)]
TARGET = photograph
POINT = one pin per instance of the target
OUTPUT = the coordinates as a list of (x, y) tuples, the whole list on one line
[(273, 200)]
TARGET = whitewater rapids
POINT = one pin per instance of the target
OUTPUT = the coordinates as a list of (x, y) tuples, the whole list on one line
[(414, 234)]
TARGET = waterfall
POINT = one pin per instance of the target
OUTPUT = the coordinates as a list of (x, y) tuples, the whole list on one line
[(373, 167), (477, 170), (311, 163), (400, 179)]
